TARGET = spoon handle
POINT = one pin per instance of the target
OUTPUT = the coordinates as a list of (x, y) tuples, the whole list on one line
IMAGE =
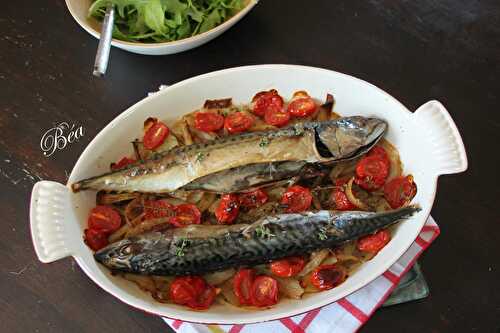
[(102, 56)]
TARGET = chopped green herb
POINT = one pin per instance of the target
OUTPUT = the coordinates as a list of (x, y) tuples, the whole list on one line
[(264, 142), (200, 157), (262, 231), (298, 129), (180, 246), (322, 234)]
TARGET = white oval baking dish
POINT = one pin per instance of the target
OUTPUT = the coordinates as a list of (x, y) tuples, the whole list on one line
[(428, 141)]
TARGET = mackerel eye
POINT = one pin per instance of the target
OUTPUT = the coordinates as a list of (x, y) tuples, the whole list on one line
[(126, 250)]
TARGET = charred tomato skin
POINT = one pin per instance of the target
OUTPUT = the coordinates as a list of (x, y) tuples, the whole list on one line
[(228, 209), (326, 277)]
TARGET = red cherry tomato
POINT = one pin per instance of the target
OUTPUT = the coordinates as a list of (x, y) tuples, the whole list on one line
[(378, 151), (276, 116), (204, 299), (400, 191), (95, 239), (122, 163), (263, 100), (181, 290), (238, 122), (208, 121), (264, 291), (155, 209), (339, 198), (287, 267), (327, 277), (185, 214), (192, 291), (297, 199), (104, 219), (371, 172), (155, 135), (253, 199), (228, 209), (242, 285), (302, 107), (374, 243)]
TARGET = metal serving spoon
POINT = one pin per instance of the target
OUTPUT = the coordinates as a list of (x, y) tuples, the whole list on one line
[(102, 56)]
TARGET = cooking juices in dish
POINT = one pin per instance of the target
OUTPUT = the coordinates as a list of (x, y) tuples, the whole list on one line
[(248, 204)]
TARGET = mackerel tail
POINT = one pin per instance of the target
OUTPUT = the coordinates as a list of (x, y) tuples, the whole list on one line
[(201, 249)]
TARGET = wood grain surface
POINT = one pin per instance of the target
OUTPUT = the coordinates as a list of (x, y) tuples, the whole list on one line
[(416, 50)]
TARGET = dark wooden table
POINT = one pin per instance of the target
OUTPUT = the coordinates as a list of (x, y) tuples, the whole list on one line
[(415, 50)]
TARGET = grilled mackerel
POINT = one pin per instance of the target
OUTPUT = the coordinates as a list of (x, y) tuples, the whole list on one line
[(237, 162), (199, 249)]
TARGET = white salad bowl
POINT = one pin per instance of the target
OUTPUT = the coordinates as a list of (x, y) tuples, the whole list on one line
[(427, 139), (79, 11)]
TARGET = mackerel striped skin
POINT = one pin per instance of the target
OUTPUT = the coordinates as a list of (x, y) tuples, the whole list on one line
[(248, 155), (203, 249)]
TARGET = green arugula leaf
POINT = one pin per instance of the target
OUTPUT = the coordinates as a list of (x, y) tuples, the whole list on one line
[(154, 17)]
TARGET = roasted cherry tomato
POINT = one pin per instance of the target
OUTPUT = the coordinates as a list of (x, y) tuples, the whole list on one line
[(276, 116), (238, 122), (155, 135), (155, 209), (263, 100), (374, 243), (399, 191), (242, 285), (185, 214), (340, 200), (264, 291), (371, 172), (327, 276), (297, 199), (253, 199), (192, 291), (104, 219), (301, 105), (204, 299), (96, 239), (208, 121), (287, 267), (228, 209), (122, 163)]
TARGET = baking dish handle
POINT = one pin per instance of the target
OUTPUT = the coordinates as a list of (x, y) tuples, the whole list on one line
[(444, 140), (50, 222)]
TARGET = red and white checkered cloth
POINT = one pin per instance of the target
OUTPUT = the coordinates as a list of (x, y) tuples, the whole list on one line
[(345, 315)]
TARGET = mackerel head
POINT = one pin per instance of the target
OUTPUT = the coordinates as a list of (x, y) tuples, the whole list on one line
[(254, 156)]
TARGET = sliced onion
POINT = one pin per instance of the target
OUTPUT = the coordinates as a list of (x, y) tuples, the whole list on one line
[(134, 209), (118, 234), (104, 198), (350, 196), (315, 260), (144, 282), (228, 293), (145, 226), (219, 277), (162, 283), (330, 260), (396, 168), (290, 287)]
